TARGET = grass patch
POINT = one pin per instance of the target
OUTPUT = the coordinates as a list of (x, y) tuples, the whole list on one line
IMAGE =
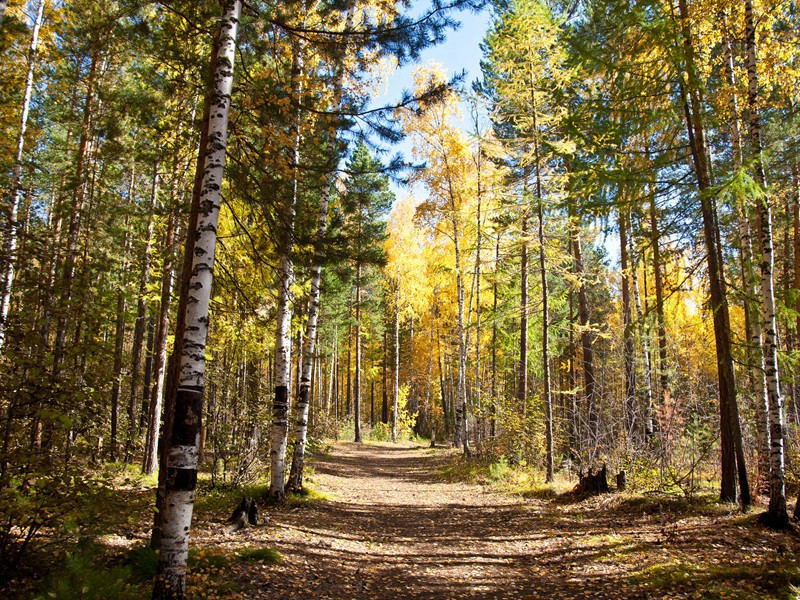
[(218, 500), (254, 554), (202, 559), (305, 497), (741, 580), (654, 504), (143, 562), (523, 480), (83, 576)]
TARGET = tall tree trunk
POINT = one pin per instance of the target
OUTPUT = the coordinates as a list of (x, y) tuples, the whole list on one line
[(643, 336), (777, 515), (396, 359), (663, 367), (478, 228), (627, 324), (587, 340), (522, 381), (10, 237), (160, 353), (182, 448), (357, 398), (301, 432), (548, 398), (385, 404), (493, 407), (755, 350), (283, 342), (73, 231), (732, 454), (461, 433), (139, 325)]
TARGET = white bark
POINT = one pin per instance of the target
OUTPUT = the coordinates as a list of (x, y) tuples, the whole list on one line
[(283, 336), (755, 351), (10, 239), (396, 358), (182, 454), (777, 497)]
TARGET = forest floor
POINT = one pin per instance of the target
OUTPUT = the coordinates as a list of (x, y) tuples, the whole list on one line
[(403, 521), (389, 526)]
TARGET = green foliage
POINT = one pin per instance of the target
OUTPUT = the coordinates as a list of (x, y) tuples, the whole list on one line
[(143, 561), (82, 578), (304, 498), (219, 500), (202, 559), (259, 554), (499, 468)]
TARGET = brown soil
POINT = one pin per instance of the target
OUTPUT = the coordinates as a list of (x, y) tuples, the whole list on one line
[(394, 529)]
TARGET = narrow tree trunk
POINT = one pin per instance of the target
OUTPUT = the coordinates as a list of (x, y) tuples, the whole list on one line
[(396, 359), (283, 343), (357, 395), (73, 231), (548, 399), (643, 336), (10, 237), (139, 325), (478, 226), (732, 455), (522, 381), (663, 367), (385, 390), (587, 337), (755, 350), (777, 515), (182, 448), (627, 324), (160, 353), (493, 407)]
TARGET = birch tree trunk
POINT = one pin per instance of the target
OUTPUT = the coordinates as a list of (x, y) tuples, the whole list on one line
[(755, 350), (385, 389), (627, 324), (777, 515), (396, 359), (296, 472), (283, 341), (10, 237), (160, 353), (310, 340), (357, 395), (182, 449)]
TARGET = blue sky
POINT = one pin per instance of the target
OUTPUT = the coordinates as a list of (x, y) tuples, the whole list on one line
[(460, 51)]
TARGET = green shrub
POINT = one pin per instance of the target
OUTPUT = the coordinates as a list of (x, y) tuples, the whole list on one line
[(143, 561), (81, 578)]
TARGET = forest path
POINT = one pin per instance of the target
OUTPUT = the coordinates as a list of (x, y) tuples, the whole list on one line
[(394, 529)]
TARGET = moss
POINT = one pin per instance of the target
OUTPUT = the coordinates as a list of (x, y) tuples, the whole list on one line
[(254, 554)]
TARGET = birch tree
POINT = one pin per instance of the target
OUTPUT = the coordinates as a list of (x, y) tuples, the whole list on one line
[(182, 449)]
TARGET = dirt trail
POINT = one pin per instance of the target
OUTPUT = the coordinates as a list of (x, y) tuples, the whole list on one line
[(394, 530)]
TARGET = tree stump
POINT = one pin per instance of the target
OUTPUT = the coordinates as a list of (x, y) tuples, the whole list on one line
[(433, 439), (244, 515), (622, 481), (592, 482)]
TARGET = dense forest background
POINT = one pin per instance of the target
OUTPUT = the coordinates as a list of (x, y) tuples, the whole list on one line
[(204, 267)]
